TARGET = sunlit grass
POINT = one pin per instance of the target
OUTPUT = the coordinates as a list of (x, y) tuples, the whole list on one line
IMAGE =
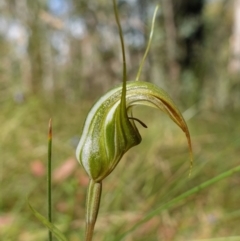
[(148, 176)]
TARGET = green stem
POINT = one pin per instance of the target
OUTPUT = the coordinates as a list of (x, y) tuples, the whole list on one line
[(93, 202), (49, 177), (149, 44), (124, 88)]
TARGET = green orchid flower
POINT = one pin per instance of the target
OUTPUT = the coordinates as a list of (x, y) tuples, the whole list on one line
[(110, 130)]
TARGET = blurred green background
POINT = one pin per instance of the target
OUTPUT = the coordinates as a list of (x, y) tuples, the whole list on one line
[(57, 57)]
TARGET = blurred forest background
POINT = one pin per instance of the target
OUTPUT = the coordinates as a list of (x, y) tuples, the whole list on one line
[(56, 47), (59, 56)]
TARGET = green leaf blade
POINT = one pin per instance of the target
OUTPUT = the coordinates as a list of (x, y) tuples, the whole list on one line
[(56, 232), (174, 202)]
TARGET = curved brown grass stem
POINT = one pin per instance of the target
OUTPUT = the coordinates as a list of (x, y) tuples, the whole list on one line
[(93, 201)]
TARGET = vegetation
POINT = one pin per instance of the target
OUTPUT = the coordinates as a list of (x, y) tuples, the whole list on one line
[(130, 195), (156, 171)]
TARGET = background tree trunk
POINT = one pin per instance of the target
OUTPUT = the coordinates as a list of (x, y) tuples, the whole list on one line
[(171, 45), (234, 63)]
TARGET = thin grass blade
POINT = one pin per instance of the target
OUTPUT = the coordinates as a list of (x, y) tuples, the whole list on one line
[(180, 198), (56, 232), (148, 45), (49, 178)]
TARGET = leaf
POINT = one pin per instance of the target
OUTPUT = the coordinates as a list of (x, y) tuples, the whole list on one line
[(56, 232)]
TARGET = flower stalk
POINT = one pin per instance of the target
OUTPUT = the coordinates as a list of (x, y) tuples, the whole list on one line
[(93, 203)]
